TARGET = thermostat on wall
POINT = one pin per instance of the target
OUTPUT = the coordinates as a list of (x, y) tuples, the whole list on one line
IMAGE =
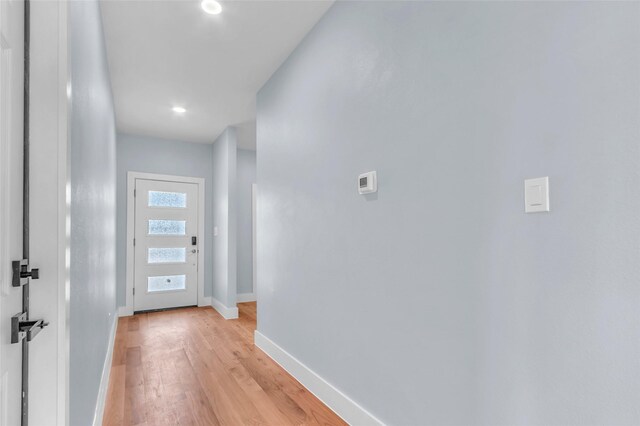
[(367, 183)]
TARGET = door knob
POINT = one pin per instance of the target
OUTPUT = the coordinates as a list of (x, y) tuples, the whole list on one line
[(193, 251)]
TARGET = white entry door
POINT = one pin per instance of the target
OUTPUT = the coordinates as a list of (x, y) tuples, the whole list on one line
[(166, 244), (11, 95)]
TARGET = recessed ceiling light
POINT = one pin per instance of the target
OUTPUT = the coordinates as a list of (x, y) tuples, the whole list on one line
[(179, 109), (212, 7)]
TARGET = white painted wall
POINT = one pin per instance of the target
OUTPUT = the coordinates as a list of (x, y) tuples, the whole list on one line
[(246, 177), (438, 300), (225, 220), (92, 146)]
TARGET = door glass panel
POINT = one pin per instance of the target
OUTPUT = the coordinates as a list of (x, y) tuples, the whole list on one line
[(167, 227), (167, 255), (166, 283), (167, 199)]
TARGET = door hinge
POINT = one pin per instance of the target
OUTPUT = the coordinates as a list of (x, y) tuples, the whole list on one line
[(22, 328), (134, 291), (134, 241), (21, 272), (134, 192)]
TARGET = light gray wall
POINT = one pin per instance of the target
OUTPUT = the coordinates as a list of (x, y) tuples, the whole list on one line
[(438, 300), (224, 217), (246, 175), (93, 202), (167, 157)]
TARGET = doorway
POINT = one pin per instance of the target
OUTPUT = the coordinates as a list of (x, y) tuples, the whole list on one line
[(166, 230)]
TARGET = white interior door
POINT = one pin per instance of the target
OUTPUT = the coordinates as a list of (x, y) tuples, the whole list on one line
[(11, 95), (166, 244)]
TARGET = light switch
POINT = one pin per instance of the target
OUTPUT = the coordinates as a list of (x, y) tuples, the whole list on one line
[(536, 195)]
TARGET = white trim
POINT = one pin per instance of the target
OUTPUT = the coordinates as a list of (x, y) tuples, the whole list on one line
[(245, 297), (106, 372), (254, 227), (131, 179), (340, 403), (125, 311), (225, 311), (49, 218), (64, 218)]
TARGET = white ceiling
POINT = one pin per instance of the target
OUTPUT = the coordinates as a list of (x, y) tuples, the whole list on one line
[(166, 53)]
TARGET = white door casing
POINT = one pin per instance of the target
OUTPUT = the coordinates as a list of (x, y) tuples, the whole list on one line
[(49, 216), (166, 261), (11, 161), (254, 227)]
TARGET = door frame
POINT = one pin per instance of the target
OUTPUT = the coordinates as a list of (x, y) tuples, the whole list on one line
[(127, 310), (254, 246), (49, 217), (49, 222)]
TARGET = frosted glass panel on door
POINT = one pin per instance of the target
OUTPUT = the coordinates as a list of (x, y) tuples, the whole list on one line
[(167, 199), (167, 255), (166, 283), (167, 227)]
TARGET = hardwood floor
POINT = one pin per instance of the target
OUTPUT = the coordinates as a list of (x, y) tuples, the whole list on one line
[(192, 367)]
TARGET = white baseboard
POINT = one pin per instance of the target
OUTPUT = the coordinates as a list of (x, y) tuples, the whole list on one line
[(106, 372), (340, 403), (125, 311), (246, 297), (226, 312), (205, 301)]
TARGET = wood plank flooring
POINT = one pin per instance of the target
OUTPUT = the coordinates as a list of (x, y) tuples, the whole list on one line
[(192, 367)]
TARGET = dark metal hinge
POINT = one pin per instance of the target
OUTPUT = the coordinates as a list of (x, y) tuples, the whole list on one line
[(22, 328), (21, 272)]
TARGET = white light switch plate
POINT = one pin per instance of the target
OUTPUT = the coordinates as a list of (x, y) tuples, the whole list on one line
[(536, 195)]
